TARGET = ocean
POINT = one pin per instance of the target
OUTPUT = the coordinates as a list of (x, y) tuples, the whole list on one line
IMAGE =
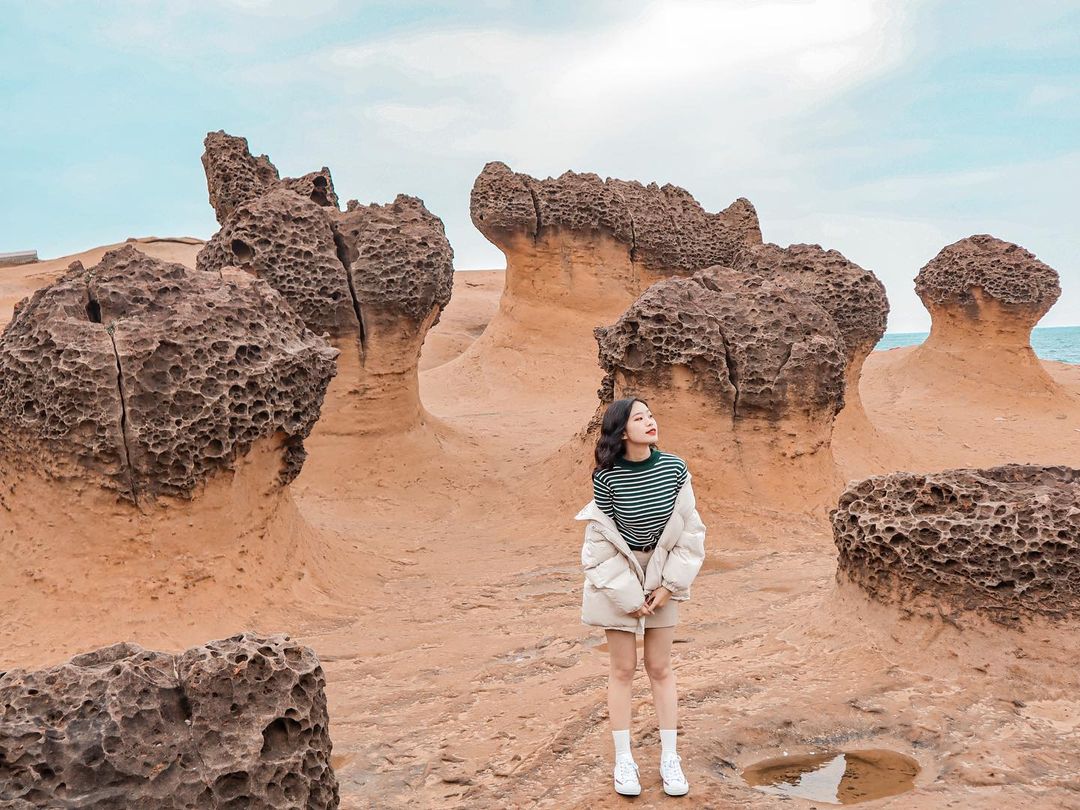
[(1060, 343)]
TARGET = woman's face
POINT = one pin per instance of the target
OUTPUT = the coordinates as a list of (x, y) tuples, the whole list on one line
[(641, 427)]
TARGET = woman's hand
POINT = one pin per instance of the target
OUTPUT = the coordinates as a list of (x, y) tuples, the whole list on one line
[(658, 598), (644, 610)]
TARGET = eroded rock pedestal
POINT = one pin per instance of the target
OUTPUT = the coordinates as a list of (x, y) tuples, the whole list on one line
[(235, 723), (1001, 541), (984, 296), (745, 375), (373, 278), (579, 250), (149, 415)]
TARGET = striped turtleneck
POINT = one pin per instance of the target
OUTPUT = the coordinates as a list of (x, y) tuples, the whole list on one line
[(640, 496)]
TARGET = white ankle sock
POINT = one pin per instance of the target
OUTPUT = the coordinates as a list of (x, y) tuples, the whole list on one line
[(667, 741), (622, 743)]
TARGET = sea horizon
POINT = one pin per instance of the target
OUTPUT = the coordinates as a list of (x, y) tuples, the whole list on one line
[(1061, 343)]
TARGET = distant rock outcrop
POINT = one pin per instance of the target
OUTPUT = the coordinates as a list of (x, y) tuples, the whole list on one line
[(148, 377), (1001, 541), (374, 278), (579, 249), (747, 369), (662, 229), (984, 296), (235, 723)]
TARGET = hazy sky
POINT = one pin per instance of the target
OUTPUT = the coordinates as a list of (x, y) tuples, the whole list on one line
[(885, 130)]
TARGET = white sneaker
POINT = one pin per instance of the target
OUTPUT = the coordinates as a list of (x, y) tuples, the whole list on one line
[(675, 783), (626, 777)]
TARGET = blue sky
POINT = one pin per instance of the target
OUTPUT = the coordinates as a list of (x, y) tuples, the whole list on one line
[(884, 130)]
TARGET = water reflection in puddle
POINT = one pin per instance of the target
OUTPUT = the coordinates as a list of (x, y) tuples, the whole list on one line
[(846, 777)]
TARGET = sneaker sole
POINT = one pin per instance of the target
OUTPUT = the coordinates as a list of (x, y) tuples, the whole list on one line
[(629, 792), (676, 792)]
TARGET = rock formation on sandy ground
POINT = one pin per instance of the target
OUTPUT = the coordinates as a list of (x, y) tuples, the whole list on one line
[(743, 372), (151, 417), (240, 722), (1002, 541), (148, 378), (374, 278), (985, 296), (580, 249)]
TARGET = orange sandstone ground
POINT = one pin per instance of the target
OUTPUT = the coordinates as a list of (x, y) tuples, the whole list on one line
[(436, 574)]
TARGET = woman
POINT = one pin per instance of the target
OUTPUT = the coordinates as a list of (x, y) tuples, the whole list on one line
[(644, 544)]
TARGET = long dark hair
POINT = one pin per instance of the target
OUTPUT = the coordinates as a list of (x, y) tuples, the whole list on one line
[(610, 446)]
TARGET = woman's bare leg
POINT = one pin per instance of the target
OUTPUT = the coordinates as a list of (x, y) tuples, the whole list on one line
[(622, 655), (661, 675)]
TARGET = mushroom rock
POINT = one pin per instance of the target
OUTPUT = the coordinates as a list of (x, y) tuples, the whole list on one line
[(142, 400), (237, 722), (1001, 542), (985, 296), (745, 374), (579, 249), (855, 299), (374, 278), (401, 271)]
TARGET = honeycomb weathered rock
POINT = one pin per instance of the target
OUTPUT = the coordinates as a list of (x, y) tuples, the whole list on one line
[(756, 345), (288, 242), (235, 723), (664, 228), (854, 298), (398, 256), (202, 365), (233, 174), (1004, 540), (316, 186), (1003, 271)]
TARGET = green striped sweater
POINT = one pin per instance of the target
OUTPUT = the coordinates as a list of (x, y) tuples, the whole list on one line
[(640, 496)]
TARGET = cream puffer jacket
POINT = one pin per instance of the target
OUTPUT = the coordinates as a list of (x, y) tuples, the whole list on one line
[(615, 584)]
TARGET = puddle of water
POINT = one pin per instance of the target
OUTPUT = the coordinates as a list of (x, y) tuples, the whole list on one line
[(847, 777)]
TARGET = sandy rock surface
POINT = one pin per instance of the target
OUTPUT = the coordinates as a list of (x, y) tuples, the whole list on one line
[(444, 596), (235, 722)]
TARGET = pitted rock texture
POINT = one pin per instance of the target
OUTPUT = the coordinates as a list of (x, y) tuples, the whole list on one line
[(335, 268), (316, 186), (288, 242), (1004, 541), (758, 346), (202, 366), (854, 297), (1004, 271), (399, 259), (663, 227), (233, 174), (235, 723)]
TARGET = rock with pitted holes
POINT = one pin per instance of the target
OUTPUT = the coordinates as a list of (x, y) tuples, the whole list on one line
[(240, 722), (755, 345), (235, 176), (1002, 541), (853, 297), (288, 241), (400, 261), (663, 227), (149, 377), (1004, 272)]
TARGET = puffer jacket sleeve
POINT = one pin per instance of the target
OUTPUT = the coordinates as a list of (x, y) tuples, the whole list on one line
[(609, 572), (686, 556)]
